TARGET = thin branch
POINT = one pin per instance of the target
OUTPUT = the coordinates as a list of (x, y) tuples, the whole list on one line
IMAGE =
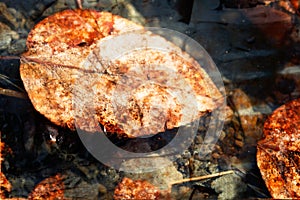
[(6, 79), (9, 57), (201, 177), (79, 4), (13, 93)]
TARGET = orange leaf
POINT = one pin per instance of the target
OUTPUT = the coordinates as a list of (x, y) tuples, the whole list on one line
[(278, 154)]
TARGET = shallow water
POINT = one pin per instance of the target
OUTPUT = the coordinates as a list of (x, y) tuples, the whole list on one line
[(257, 55)]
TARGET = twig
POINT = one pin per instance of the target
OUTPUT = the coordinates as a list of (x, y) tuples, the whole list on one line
[(79, 3), (13, 93), (201, 177), (9, 57), (6, 79)]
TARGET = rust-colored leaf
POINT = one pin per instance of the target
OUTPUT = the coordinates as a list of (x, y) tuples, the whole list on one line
[(295, 4), (56, 48), (81, 67), (136, 189), (5, 185), (278, 154), (49, 188)]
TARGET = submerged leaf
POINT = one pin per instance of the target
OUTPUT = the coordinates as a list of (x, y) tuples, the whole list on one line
[(85, 67), (278, 154)]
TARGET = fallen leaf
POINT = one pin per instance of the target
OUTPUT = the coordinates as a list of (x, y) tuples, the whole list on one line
[(49, 188), (136, 189), (278, 153), (56, 47), (5, 185), (85, 67)]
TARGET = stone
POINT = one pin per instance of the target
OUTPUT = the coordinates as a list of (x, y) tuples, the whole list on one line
[(17, 47), (248, 117), (6, 36), (229, 186), (287, 84), (160, 172), (5, 13)]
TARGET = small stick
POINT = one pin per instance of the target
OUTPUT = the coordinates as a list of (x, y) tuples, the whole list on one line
[(13, 93), (9, 57), (79, 4), (201, 177)]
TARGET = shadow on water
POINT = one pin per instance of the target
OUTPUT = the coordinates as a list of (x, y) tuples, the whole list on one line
[(143, 145), (249, 44)]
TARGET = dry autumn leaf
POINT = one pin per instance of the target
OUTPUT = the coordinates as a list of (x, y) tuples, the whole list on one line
[(56, 47), (49, 188), (85, 67), (136, 189), (4, 183), (278, 153)]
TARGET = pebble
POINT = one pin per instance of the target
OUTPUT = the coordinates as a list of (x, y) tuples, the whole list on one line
[(238, 135), (216, 155), (222, 135), (229, 114), (17, 47), (6, 36), (83, 190), (229, 186), (198, 140), (247, 117), (287, 84), (102, 189), (4, 12), (239, 143), (161, 177)]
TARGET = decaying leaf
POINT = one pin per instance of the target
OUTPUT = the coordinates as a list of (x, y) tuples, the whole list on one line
[(5, 185), (278, 154), (56, 48), (138, 189), (49, 188), (88, 67)]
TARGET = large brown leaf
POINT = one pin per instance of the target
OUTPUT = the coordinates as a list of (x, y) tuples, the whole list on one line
[(278, 154), (85, 67)]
